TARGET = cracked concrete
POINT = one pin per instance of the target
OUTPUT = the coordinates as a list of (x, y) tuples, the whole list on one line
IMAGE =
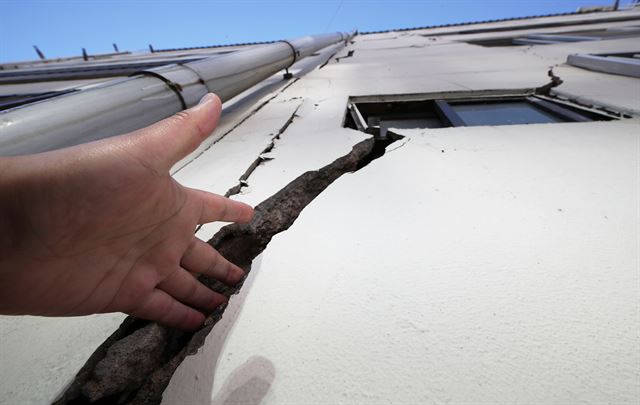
[(445, 274), (456, 256), (348, 55), (136, 367), (248, 103), (242, 181)]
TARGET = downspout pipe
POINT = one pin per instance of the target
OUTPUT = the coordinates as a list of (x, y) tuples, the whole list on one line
[(124, 105)]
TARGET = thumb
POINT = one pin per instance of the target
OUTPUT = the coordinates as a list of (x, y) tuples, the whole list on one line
[(166, 142)]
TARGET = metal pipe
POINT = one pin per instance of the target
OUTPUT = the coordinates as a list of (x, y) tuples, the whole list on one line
[(124, 105), (90, 70)]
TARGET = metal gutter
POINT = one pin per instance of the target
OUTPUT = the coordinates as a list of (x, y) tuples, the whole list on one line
[(124, 105), (88, 71)]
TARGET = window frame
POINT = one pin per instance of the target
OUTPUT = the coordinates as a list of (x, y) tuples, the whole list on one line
[(551, 38), (455, 120), (613, 63), (442, 106)]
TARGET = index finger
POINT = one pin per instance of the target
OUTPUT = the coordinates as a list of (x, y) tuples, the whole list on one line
[(219, 208)]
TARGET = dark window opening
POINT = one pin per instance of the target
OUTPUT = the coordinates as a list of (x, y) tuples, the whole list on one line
[(377, 118), (381, 118), (559, 38)]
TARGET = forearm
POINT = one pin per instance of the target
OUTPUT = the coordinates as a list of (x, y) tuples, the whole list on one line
[(11, 219), (13, 233), (23, 198), (27, 262)]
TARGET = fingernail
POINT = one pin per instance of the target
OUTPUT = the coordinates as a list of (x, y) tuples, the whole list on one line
[(207, 97), (235, 275)]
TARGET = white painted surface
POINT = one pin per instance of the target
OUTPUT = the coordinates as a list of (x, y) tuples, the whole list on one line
[(502, 270), (39, 356), (428, 276), (385, 289)]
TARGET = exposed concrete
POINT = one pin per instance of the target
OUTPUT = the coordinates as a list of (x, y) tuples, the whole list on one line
[(136, 364)]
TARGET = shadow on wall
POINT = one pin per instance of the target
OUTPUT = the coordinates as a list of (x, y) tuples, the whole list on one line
[(194, 378), (248, 384)]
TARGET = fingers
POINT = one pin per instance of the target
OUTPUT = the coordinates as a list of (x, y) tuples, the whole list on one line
[(218, 208), (184, 287), (164, 309), (166, 142), (201, 258), (171, 302)]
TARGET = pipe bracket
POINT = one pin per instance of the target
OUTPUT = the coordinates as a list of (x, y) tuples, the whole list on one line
[(175, 87), (296, 53)]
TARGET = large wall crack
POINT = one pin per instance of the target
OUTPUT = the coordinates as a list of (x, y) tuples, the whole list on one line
[(136, 363), (554, 82)]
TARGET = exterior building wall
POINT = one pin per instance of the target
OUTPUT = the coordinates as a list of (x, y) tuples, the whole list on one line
[(476, 264)]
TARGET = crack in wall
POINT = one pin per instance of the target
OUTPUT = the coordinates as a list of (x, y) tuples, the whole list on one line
[(252, 113), (135, 364), (348, 55), (237, 124), (555, 82), (242, 180), (328, 60)]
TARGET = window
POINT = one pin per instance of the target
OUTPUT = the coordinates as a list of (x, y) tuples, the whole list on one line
[(563, 37), (378, 117), (626, 64), (503, 113), (539, 39), (545, 39)]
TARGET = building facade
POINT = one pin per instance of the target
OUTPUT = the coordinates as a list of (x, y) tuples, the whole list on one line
[(475, 238)]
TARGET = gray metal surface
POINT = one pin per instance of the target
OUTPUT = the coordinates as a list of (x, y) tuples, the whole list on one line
[(123, 105), (87, 70)]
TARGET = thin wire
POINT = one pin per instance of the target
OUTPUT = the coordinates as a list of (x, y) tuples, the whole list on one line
[(334, 16)]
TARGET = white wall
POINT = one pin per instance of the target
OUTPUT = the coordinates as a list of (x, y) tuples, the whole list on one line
[(504, 269)]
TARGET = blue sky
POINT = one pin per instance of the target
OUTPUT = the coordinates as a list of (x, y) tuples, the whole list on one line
[(62, 28)]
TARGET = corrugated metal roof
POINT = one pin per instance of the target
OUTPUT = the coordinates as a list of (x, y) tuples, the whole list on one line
[(214, 46), (462, 24)]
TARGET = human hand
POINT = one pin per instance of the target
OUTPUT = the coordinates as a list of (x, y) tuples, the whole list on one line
[(103, 227)]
